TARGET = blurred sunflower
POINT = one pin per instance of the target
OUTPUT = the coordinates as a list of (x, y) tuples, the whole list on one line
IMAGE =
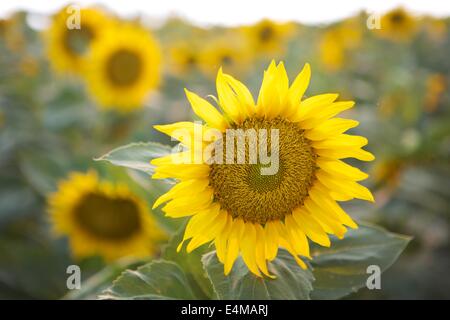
[(229, 52), (124, 67), (102, 218), (336, 41), (397, 25), (436, 86), (184, 57), (332, 51), (268, 37), (68, 48), (236, 205), (435, 28)]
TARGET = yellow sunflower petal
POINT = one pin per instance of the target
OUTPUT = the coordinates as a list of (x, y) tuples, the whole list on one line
[(208, 232), (248, 246), (272, 240), (233, 244), (297, 89), (227, 99), (206, 111), (321, 114), (351, 187), (311, 228), (330, 128), (342, 169), (342, 153), (261, 250), (329, 205), (308, 108), (297, 238), (243, 96), (188, 187), (341, 141), (197, 222), (221, 240)]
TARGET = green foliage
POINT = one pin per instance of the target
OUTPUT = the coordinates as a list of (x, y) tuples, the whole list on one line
[(334, 272)]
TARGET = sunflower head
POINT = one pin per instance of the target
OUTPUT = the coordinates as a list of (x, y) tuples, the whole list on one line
[(229, 52), (259, 175), (398, 25), (68, 48), (124, 67), (268, 37), (184, 57), (102, 218)]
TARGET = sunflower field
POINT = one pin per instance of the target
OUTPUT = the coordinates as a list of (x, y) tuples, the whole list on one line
[(116, 181)]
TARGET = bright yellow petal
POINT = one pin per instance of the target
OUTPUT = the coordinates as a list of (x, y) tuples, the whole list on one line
[(246, 104), (188, 187), (341, 141), (298, 89), (222, 238), (330, 128), (197, 222), (188, 205), (233, 244), (341, 169), (271, 240), (248, 248), (341, 153), (298, 239), (227, 99), (261, 250), (324, 219), (348, 186), (310, 107), (206, 111), (321, 114), (329, 205), (311, 228), (208, 232)]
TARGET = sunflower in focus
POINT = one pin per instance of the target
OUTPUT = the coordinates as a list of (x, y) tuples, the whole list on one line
[(228, 52), (268, 37), (240, 207), (398, 25), (102, 218), (68, 48), (124, 67)]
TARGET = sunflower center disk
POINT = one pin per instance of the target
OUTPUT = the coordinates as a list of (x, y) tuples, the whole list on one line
[(107, 218), (124, 68), (245, 192)]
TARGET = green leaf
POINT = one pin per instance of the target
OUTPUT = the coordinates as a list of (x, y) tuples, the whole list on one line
[(292, 282), (191, 265), (136, 155), (342, 268), (155, 280)]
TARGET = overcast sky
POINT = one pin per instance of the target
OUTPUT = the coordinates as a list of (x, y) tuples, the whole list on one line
[(232, 12)]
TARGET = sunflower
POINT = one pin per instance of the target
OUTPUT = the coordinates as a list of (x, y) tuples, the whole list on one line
[(68, 48), (337, 41), (228, 52), (102, 218), (436, 86), (124, 67), (397, 25), (268, 37), (184, 57), (244, 209)]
